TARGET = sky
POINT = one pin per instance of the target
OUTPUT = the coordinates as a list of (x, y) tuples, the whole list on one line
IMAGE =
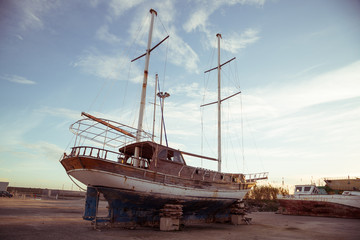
[(297, 66)]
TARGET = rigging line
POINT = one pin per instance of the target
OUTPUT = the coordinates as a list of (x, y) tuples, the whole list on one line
[(242, 133), (202, 134), (163, 25), (210, 63), (126, 85), (237, 75), (97, 96), (75, 183), (73, 135)]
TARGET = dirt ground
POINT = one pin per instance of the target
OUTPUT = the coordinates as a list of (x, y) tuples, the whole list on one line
[(62, 219)]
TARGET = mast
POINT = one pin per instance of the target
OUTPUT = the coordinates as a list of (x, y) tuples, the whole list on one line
[(219, 104), (143, 92), (219, 100)]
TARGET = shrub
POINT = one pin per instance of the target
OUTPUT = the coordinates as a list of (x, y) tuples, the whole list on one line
[(265, 192)]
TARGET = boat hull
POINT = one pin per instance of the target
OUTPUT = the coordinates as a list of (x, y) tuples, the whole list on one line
[(139, 200), (135, 208), (321, 206), (98, 178)]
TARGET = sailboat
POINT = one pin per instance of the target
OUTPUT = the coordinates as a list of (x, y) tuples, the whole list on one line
[(144, 176)]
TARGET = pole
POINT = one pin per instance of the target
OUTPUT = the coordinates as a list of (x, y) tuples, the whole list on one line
[(219, 105), (162, 119), (162, 96), (143, 92), (153, 131)]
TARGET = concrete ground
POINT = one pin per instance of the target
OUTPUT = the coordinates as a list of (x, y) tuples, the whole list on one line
[(62, 219)]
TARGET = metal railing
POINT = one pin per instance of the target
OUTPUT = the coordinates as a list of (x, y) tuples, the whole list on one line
[(253, 177), (100, 153)]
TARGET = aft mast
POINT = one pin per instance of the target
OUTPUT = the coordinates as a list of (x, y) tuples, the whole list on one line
[(219, 104), (219, 99)]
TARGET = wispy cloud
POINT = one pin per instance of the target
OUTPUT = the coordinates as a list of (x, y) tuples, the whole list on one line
[(59, 112), (320, 111), (203, 9), (327, 87), (111, 67), (17, 79), (234, 42), (199, 20), (181, 54), (32, 12), (44, 150), (178, 51), (307, 70), (103, 34), (118, 7)]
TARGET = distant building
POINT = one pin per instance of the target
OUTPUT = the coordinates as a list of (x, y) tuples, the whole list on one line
[(3, 186)]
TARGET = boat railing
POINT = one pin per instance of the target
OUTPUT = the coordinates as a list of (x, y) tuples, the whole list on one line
[(253, 177), (94, 152), (100, 153), (340, 178)]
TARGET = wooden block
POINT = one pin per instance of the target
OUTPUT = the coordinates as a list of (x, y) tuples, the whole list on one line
[(169, 224), (236, 219)]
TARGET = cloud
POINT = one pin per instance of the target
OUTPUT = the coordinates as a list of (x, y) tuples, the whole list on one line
[(103, 34), (309, 117), (44, 150), (335, 85), (181, 54), (203, 10), (198, 19), (32, 12), (178, 51), (118, 7), (111, 67), (234, 42), (62, 112), (303, 120), (17, 79)]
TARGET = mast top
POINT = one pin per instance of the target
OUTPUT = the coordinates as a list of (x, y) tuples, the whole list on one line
[(153, 11), (218, 35)]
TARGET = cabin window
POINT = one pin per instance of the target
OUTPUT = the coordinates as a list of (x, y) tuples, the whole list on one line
[(307, 189), (298, 189), (178, 157), (170, 155), (163, 154)]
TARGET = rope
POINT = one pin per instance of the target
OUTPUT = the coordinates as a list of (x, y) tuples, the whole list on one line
[(163, 25), (75, 182), (242, 134)]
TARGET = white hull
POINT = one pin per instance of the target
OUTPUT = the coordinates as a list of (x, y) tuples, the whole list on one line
[(117, 181)]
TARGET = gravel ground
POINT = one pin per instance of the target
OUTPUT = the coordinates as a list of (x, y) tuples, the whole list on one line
[(62, 219)]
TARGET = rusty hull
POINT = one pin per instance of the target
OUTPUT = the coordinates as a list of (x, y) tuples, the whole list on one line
[(317, 208)]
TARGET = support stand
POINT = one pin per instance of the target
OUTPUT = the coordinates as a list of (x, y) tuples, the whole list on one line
[(170, 217), (238, 213)]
